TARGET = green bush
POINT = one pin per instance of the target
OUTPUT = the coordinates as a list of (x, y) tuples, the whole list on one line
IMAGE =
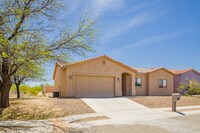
[(191, 87), (34, 90)]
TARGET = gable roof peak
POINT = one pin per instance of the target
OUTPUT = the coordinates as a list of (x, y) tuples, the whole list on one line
[(150, 70), (67, 64)]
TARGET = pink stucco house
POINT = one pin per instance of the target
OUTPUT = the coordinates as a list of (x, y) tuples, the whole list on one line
[(183, 75)]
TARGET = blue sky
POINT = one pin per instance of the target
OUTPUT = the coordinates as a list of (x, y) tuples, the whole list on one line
[(142, 33)]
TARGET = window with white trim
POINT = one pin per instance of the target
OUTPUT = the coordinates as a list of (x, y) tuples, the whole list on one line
[(138, 81), (162, 83)]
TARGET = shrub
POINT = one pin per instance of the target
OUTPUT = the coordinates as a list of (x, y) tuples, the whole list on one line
[(34, 90), (191, 87)]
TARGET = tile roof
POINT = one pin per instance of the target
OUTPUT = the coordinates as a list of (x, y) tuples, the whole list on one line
[(62, 63), (145, 70), (150, 70), (66, 64), (178, 72)]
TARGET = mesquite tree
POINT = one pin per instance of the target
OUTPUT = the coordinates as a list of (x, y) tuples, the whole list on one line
[(33, 73), (30, 34)]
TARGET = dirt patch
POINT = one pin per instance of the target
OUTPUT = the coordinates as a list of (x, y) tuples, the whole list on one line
[(43, 108), (91, 119), (165, 101), (58, 125)]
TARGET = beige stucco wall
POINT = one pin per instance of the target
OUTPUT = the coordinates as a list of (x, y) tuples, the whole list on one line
[(60, 80), (154, 83), (141, 90), (95, 68), (65, 79), (57, 80)]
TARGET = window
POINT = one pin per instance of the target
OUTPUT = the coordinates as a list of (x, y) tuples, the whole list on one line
[(162, 83), (103, 62), (138, 81)]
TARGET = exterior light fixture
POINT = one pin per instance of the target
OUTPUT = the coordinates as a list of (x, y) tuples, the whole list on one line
[(70, 77)]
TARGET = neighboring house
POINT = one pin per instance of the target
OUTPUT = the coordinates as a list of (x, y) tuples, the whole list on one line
[(183, 75), (49, 89), (96, 77), (154, 82)]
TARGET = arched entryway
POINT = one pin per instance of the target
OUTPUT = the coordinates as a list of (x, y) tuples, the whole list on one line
[(126, 84)]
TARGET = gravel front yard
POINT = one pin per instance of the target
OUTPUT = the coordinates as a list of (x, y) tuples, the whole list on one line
[(43, 108), (165, 101)]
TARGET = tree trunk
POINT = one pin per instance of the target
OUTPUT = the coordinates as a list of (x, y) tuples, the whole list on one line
[(18, 92), (5, 89), (5, 83)]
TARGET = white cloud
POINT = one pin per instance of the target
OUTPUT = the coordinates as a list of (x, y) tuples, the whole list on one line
[(102, 6), (142, 18), (137, 7), (152, 40), (129, 24)]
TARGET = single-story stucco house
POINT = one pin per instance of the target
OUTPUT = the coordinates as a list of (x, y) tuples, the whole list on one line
[(105, 77), (181, 76), (154, 82), (97, 77)]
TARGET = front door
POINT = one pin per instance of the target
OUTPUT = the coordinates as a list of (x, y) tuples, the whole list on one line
[(126, 84)]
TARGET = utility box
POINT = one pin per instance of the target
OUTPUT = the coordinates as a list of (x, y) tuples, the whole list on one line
[(55, 94), (175, 97)]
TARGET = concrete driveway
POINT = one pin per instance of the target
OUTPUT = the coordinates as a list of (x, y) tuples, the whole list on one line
[(101, 105)]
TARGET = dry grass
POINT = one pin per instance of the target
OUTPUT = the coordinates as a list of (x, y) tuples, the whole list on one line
[(43, 108), (165, 101)]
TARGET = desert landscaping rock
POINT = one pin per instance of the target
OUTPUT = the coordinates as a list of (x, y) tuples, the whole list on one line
[(25, 126), (165, 101), (43, 108)]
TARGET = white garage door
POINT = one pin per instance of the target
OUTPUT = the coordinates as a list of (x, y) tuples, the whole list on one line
[(94, 86)]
